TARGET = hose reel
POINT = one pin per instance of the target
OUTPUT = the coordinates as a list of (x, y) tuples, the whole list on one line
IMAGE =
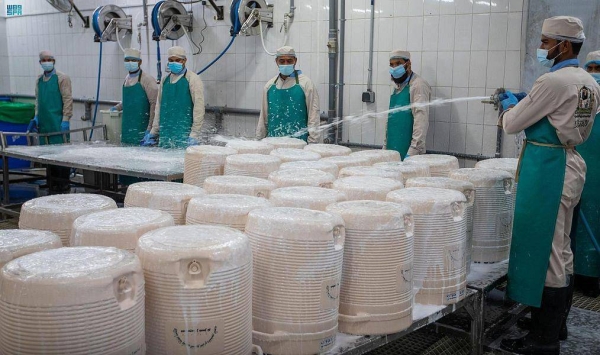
[(248, 15), (170, 20), (110, 22)]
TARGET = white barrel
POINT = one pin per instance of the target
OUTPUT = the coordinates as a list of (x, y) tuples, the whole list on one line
[(439, 165), (440, 231), (506, 164), (56, 213), (376, 295), (198, 290), (120, 228), (250, 147), (241, 185), (256, 165), (312, 198), (492, 212), (202, 161), (229, 210), (330, 168), (15, 243), (378, 155), (285, 142), (366, 187), (302, 177), (371, 171), (170, 197), (468, 189), (328, 150), (344, 161), (407, 169), (287, 155), (297, 270), (76, 301)]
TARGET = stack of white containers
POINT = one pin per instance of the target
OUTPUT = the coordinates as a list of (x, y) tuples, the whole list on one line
[(378, 171), (376, 295), (297, 269), (468, 189), (287, 155), (330, 168), (366, 187), (250, 147), (18, 242), (120, 228), (439, 165), (378, 155), (199, 290), (407, 169), (439, 269), (302, 177), (312, 198), (328, 150), (242, 185), (256, 165), (224, 210), (285, 142), (509, 165), (170, 197), (492, 212), (345, 161), (80, 300), (203, 161), (56, 213)]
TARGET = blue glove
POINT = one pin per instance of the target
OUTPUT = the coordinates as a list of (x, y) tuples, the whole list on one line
[(192, 141), (33, 125), (65, 126), (146, 136), (150, 141), (113, 109), (520, 96), (510, 100)]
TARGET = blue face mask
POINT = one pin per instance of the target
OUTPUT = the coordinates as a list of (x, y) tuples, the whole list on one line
[(47, 66), (542, 56), (596, 76), (286, 70), (397, 72), (132, 66), (175, 67)]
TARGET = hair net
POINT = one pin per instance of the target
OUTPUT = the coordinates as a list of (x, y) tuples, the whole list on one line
[(564, 28)]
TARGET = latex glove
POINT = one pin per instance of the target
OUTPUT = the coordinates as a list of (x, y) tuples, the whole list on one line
[(114, 109), (33, 125), (150, 141), (520, 96), (192, 141), (65, 126), (146, 136), (509, 101)]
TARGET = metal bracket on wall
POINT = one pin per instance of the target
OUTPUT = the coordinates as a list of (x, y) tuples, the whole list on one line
[(219, 9)]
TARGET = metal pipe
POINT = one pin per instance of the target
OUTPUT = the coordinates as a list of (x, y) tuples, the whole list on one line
[(333, 57), (370, 70), (292, 9), (339, 127), (499, 134)]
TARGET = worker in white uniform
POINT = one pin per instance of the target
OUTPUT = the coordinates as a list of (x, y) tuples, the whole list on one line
[(557, 115), (180, 106), (290, 103), (139, 100), (406, 130)]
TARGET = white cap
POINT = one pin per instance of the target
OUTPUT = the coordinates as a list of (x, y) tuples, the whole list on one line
[(564, 28), (46, 55), (177, 51), (133, 53), (398, 54), (286, 51), (592, 57)]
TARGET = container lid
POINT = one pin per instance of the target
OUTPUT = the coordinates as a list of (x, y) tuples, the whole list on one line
[(466, 187), (160, 194), (367, 183), (251, 160), (285, 142), (328, 150), (248, 147), (407, 168), (484, 177), (378, 155), (314, 198), (348, 160), (507, 164), (373, 215), (430, 200), (68, 203), (224, 208), (209, 151), (238, 184), (436, 162), (319, 165), (302, 177), (380, 171), (18, 242), (291, 154)]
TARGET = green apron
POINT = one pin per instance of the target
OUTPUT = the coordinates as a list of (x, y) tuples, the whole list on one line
[(400, 123), (587, 259), (541, 176), (50, 109), (136, 113), (176, 113), (288, 115)]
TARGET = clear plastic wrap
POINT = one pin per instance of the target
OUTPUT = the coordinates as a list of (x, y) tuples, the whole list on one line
[(507, 164), (289, 154), (285, 142), (345, 161), (203, 161), (439, 165), (312, 198), (302, 177), (227, 210), (120, 228), (18, 242), (242, 185), (379, 171), (376, 297), (378, 155), (330, 168), (256, 165), (407, 169), (250, 147), (82, 300), (366, 187), (328, 150), (298, 256), (170, 197), (57, 213)]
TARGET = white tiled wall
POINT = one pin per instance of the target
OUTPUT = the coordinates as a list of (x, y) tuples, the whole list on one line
[(461, 47)]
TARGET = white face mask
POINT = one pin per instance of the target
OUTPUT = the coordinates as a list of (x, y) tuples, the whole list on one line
[(542, 56)]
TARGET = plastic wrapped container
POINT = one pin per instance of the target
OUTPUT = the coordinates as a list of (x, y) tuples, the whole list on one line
[(379, 171), (366, 187), (250, 147), (328, 150), (312, 198), (285, 142), (346, 161), (287, 155), (224, 210), (407, 169), (203, 161), (242, 185), (378, 155), (302, 177), (439, 165), (256, 165), (330, 168), (15, 243)]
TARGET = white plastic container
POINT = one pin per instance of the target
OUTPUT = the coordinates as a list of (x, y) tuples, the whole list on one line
[(289, 154), (439, 165), (312, 198), (302, 177), (285, 142), (113, 122), (242, 185), (345, 161), (224, 210), (15, 243), (250, 147), (366, 187), (379, 171), (256, 165), (330, 168), (406, 168), (328, 150), (203, 161), (378, 155)]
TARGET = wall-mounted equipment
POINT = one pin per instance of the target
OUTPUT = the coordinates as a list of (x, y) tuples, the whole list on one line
[(68, 6), (252, 15), (110, 23), (170, 20)]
